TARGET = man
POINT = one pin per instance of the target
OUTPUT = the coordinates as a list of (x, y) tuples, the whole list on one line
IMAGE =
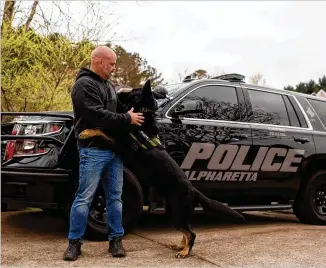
[(94, 102)]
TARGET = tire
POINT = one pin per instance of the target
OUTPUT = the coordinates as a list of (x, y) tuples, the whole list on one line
[(310, 204), (132, 198)]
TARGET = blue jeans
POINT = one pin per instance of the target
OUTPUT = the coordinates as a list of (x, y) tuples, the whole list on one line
[(92, 163)]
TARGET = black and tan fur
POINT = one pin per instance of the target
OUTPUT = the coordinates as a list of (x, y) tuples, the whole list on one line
[(155, 167)]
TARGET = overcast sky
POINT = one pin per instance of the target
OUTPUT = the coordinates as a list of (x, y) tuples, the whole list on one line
[(285, 41)]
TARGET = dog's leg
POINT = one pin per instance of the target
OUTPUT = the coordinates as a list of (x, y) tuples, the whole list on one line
[(181, 245), (190, 237)]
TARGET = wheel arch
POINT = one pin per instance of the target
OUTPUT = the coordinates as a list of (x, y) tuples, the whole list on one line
[(311, 165)]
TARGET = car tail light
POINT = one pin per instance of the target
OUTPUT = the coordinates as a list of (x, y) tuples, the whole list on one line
[(11, 144), (19, 148)]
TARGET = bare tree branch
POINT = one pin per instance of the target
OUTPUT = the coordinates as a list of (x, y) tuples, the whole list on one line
[(183, 75), (31, 15)]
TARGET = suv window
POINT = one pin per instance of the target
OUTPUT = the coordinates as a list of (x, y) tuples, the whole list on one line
[(219, 103), (320, 108), (267, 108)]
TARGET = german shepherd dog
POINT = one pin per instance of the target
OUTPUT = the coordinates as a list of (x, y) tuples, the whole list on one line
[(143, 154)]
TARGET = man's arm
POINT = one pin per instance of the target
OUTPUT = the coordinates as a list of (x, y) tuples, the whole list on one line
[(88, 103)]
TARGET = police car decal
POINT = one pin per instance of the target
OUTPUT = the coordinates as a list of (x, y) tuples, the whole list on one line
[(226, 162)]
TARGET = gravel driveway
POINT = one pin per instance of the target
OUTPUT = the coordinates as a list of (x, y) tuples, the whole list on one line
[(267, 239)]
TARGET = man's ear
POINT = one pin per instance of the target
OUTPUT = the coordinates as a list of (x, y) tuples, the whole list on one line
[(147, 91)]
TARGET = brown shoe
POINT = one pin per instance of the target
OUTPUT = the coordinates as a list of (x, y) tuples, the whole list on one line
[(73, 250), (116, 248)]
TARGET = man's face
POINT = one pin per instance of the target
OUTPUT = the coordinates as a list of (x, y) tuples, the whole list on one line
[(108, 64)]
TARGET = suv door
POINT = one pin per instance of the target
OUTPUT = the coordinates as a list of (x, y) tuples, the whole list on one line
[(210, 143), (282, 135)]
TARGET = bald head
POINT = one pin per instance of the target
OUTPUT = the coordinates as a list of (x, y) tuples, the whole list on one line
[(102, 51), (103, 60)]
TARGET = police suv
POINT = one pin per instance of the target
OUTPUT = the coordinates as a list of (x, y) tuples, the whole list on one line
[(251, 147)]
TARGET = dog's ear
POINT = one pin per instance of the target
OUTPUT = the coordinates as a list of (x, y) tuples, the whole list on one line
[(147, 90)]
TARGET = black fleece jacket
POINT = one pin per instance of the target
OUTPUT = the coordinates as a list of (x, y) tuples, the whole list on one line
[(94, 102)]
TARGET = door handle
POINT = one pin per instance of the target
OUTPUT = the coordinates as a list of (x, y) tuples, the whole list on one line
[(301, 140)]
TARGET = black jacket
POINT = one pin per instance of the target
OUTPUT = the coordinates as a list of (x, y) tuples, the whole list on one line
[(94, 102)]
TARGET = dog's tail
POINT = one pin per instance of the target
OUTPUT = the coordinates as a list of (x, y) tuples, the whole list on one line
[(214, 208)]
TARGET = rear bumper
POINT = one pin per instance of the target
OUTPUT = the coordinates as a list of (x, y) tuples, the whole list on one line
[(34, 188), (27, 175)]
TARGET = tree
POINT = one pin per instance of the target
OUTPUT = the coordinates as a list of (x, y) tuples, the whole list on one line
[(312, 87), (39, 64), (197, 74), (133, 70), (31, 15), (257, 79), (301, 87), (309, 87), (290, 88), (8, 14), (200, 73), (183, 74), (322, 82), (38, 72)]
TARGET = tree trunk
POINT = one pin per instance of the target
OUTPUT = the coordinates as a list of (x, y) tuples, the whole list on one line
[(31, 15), (8, 13), (6, 101)]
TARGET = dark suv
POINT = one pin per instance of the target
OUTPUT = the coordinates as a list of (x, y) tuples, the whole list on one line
[(251, 147)]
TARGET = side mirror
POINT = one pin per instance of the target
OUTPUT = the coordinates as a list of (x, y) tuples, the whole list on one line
[(188, 106)]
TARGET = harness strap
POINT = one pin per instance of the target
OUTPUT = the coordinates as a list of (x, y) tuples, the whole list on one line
[(145, 142), (137, 141), (154, 142)]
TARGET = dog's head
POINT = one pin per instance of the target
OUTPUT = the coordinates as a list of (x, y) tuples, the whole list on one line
[(142, 99)]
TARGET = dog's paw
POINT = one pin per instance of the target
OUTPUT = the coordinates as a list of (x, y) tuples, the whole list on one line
[(182, 254), (176, 247)]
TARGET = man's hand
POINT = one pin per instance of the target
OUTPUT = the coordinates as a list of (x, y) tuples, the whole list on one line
[(136, 118)]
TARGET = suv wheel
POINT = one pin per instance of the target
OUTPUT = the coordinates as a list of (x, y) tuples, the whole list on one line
[(310, 204), (132, 198)]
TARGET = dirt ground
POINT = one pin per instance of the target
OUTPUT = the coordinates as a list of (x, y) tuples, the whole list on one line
[(32, 238)]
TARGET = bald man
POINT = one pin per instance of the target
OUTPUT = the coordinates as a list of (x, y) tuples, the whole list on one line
[(94, 102)]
